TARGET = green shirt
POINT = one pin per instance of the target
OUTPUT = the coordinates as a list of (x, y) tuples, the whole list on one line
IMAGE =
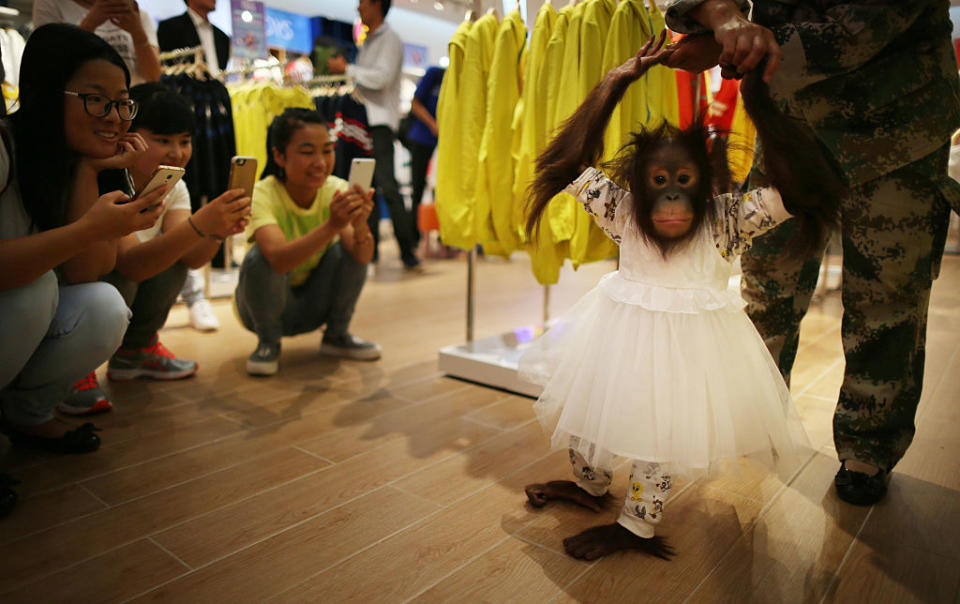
[(273, 205)]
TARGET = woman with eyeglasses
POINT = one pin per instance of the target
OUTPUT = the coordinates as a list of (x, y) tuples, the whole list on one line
[(58, 235)]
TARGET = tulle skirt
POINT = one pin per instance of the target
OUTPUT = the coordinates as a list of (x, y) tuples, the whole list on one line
[(689, 387)]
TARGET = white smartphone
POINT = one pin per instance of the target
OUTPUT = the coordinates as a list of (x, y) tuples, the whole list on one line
[(163, 175), (361, 172), (243, 174)]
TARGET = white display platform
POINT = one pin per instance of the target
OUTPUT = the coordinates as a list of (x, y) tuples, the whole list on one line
[(491, 361)]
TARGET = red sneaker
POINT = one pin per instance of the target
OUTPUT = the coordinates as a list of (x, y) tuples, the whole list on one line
[(154, 361), (85, 398)]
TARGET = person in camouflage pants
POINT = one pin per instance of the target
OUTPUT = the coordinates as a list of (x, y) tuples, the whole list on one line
[(876, 82)]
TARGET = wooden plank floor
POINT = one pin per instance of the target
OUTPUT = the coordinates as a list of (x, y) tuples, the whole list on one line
[(345, 481)]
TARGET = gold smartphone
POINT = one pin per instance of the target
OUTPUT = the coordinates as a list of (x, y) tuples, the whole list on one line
[(163, 175), (243, 174)]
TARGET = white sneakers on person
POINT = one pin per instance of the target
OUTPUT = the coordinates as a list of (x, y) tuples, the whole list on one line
[(202, 317)]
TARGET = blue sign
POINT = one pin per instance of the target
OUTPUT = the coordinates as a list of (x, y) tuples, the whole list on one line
[(289, 30)]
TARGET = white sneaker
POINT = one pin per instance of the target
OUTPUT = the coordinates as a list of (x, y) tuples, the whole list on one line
[(202, 317)]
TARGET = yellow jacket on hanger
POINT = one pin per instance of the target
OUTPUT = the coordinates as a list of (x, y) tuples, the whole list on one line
[(588, 242), (493, 209), (477, 58), (546, 253), (563, 209), (629, 30), (533, 122), (449, 196), (662, 80)]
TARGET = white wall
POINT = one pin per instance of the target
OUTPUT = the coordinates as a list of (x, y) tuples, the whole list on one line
[(412, 27)]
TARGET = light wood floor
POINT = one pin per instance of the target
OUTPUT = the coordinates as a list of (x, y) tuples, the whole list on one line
[(345, 481)]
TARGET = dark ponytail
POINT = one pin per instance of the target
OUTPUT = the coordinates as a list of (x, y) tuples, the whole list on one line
[(281, 131)]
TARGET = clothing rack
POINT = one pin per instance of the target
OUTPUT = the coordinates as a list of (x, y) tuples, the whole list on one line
[(182, 53), (491, 361), (330, 85)]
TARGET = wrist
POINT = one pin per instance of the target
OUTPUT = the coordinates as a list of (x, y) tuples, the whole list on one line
[(717, 14), (197, 230), (89, 24), (83, 232)]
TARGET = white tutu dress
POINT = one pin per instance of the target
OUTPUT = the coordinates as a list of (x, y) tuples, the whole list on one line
[(659, 362)]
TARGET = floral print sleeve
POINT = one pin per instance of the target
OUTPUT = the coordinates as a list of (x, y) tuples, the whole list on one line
[(741, 217), (602, 199)]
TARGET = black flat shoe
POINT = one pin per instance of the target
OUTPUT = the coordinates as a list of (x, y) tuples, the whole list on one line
[(859, 488), (8, 497), (79, 440)]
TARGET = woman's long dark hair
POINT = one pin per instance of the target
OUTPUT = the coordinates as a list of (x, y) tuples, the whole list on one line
[(281, 131), (52, 56)]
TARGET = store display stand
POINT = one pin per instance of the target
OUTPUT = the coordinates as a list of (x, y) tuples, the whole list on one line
[(491, 361)]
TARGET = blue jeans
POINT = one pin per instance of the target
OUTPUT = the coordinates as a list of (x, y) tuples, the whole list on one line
[(271, 308), (50, 337)]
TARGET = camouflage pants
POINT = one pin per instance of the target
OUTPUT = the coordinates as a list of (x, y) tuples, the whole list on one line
[(893, 231)]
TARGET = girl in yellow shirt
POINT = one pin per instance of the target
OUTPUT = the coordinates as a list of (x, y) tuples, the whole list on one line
[(309, 246)]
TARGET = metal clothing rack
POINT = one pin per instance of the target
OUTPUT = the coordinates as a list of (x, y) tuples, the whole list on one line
[(182, 53), (491, 361)]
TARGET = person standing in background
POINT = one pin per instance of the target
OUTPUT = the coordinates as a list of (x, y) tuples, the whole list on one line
[(377, 76), (193, 28), (422, 139), (127, 28)]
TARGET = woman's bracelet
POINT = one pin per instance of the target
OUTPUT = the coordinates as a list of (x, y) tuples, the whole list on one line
[(199, 232)]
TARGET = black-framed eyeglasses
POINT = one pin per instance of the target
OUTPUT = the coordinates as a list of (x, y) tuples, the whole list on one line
[(98, 105)]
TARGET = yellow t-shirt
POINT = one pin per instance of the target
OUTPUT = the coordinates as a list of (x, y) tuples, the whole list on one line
[(273, 205)]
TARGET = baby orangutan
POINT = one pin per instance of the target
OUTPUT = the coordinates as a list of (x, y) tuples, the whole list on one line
[(668, 204)]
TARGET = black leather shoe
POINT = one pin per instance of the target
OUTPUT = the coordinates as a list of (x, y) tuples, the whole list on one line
[(859, 488), (8, 497), (82, 439)]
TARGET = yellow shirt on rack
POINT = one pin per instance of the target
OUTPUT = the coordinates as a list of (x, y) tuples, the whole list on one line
[(493, 210), (460, 231), (532, 121), (449, 197), (563, 208), (255, 107), (587, 241), (546, 252)]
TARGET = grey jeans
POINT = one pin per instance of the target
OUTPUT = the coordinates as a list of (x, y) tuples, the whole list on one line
[(271, 308), (50, 337), (150, 301)]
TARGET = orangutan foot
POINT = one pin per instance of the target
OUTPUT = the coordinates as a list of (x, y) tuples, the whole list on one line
[(599, 541), (540, 494)]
